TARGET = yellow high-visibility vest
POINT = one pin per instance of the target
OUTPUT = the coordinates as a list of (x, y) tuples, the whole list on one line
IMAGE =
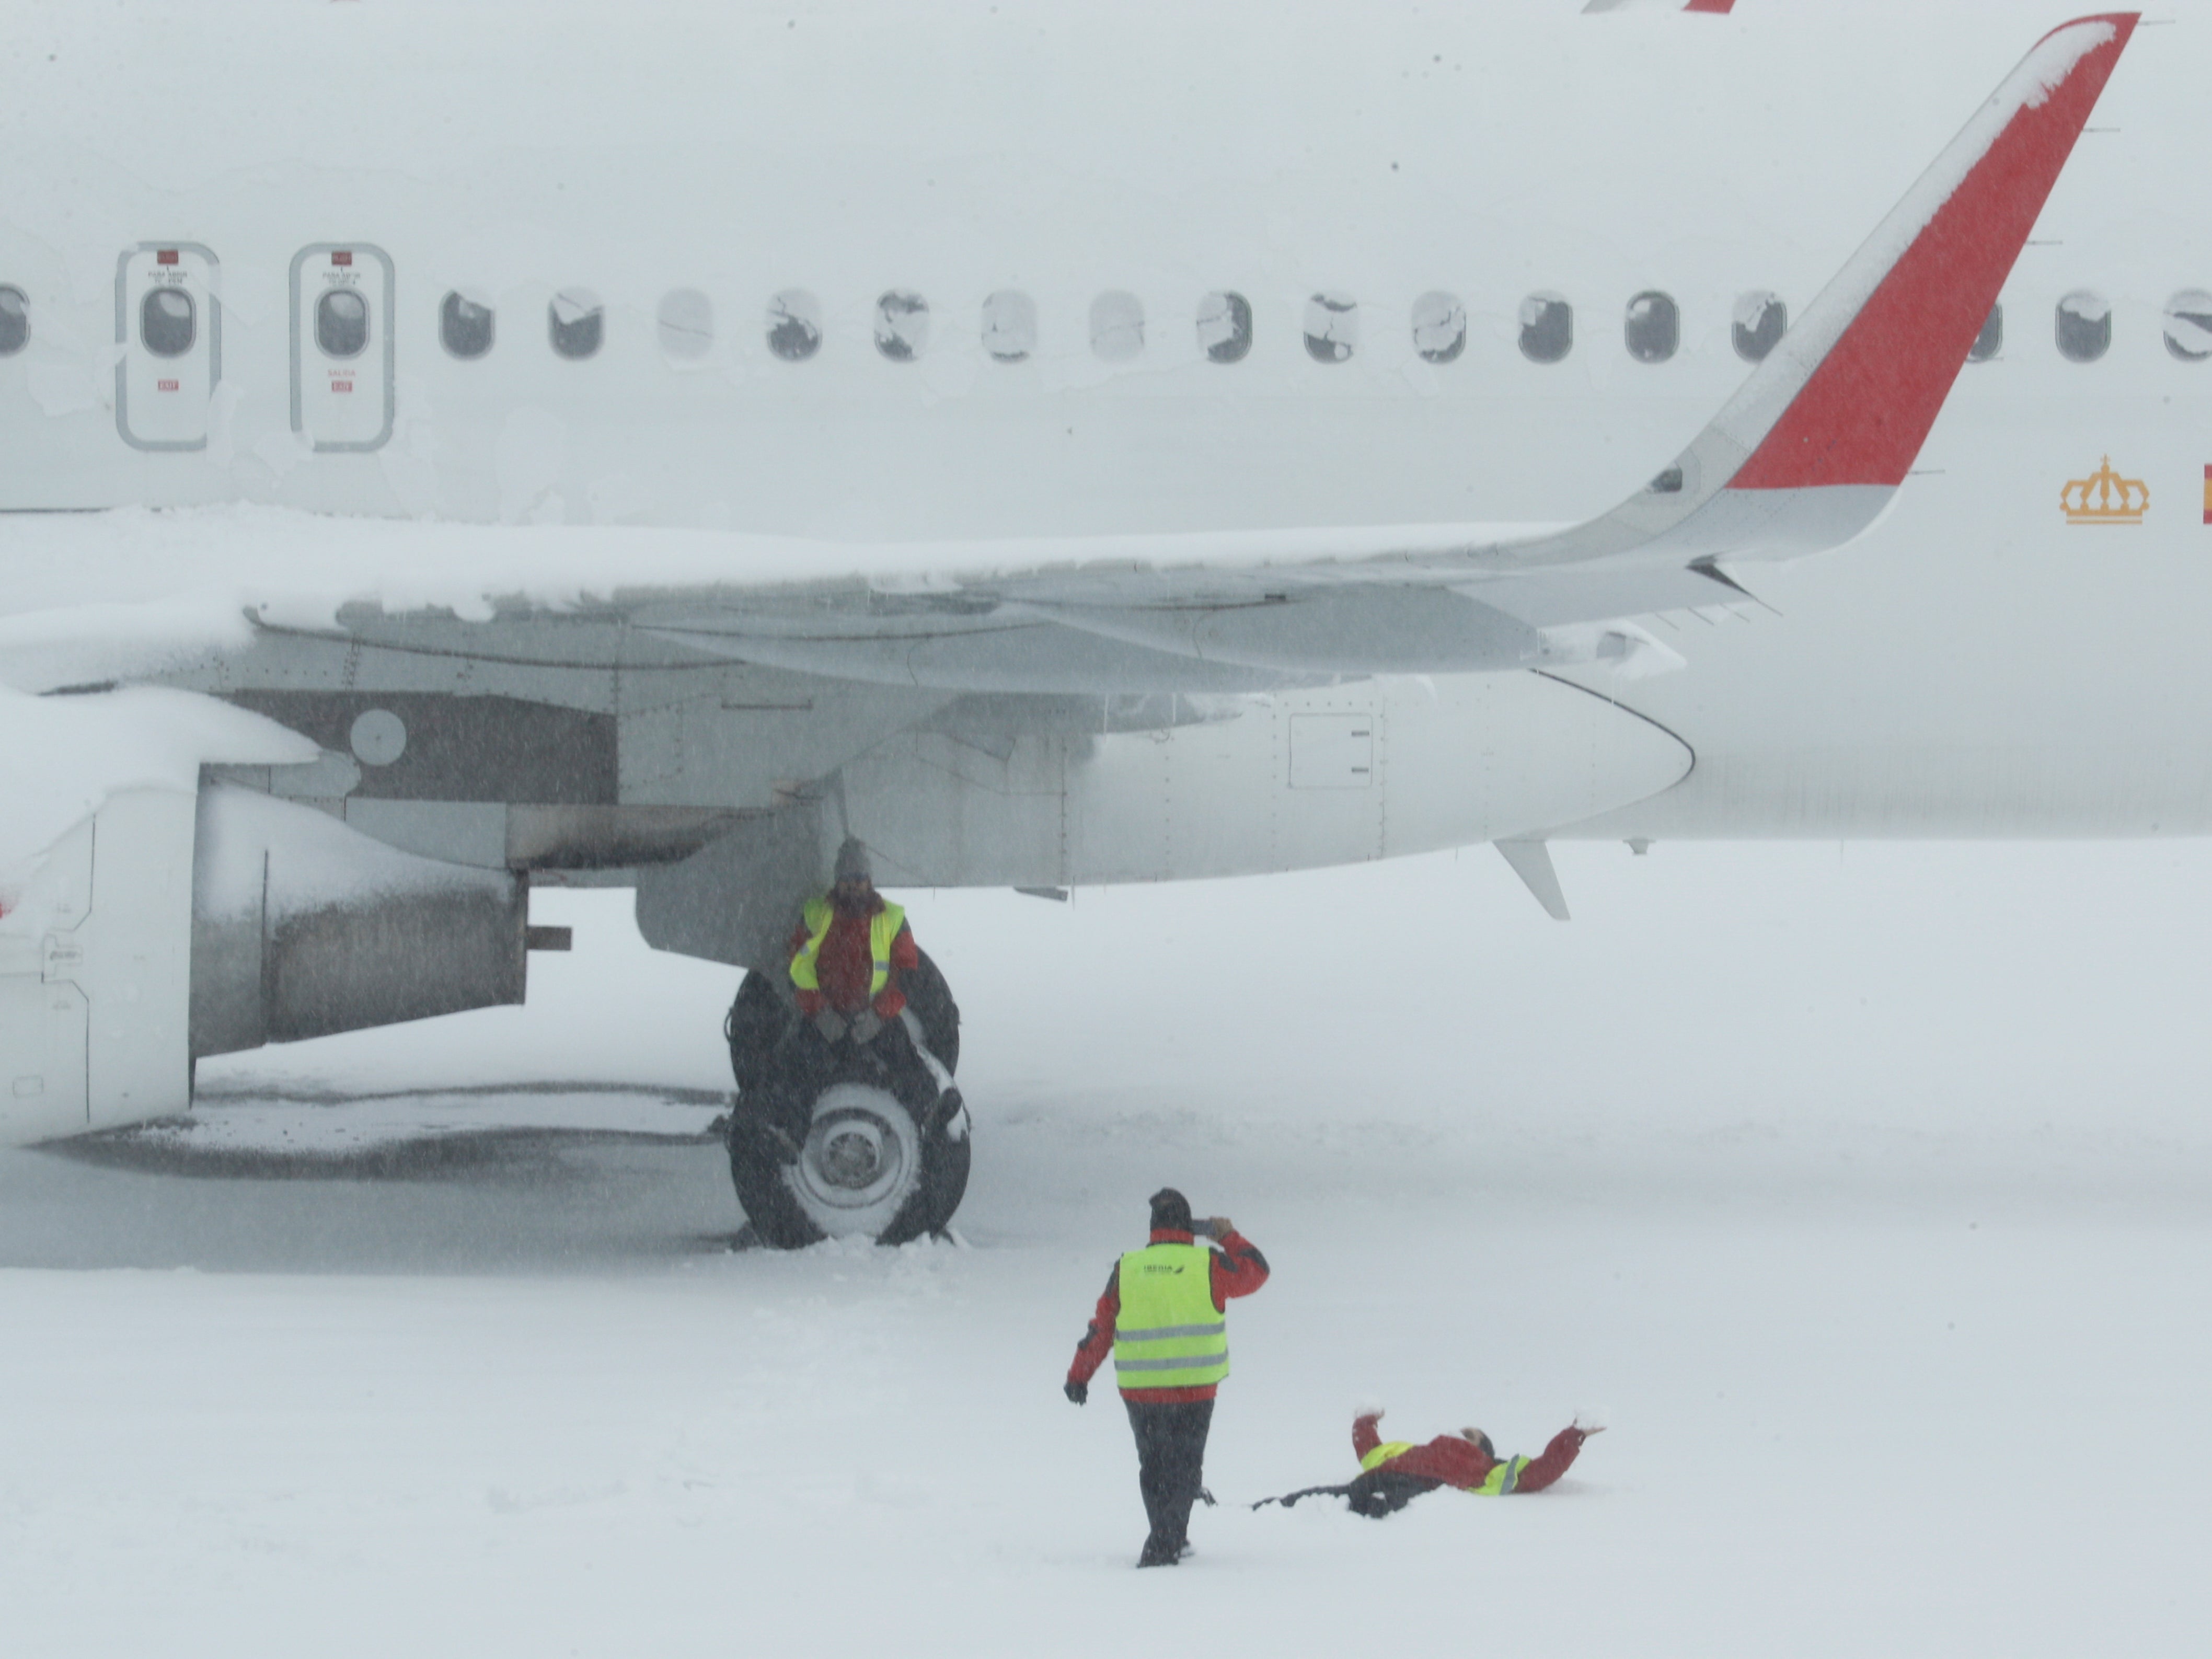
[(1504, 1476), (882, 930), (1169, 1334)]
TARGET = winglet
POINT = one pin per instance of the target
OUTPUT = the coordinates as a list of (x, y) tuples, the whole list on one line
[(1870, 363), (1816, 443)]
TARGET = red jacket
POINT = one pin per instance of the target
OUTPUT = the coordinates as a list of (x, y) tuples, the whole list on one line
[(845, 965), (1239, 1269), (1459, 1463)]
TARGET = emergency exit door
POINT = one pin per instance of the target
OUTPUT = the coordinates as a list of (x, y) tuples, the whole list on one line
[(168, 331), (342, 352)]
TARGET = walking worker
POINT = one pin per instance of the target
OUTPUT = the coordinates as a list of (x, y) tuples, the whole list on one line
[(1394, 1472), (1163, 1319)]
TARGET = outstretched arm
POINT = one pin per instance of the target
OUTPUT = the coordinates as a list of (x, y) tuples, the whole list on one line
[(1365, 1436), (1553, 1461)]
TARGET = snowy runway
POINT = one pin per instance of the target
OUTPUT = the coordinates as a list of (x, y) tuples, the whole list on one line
[(1899, 1329)]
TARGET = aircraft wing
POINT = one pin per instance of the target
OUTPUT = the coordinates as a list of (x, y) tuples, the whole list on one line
[(1805, 456)]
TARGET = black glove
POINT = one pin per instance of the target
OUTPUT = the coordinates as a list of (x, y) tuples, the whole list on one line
[(831, 1024), (1079, 1393), (865, 1026)]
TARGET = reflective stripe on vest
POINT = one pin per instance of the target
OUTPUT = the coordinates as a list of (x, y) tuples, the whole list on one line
[(883, 930), (1502, 1479), (1169, 1334)]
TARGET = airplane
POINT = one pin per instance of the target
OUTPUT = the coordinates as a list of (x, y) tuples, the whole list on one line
[(453, 452)]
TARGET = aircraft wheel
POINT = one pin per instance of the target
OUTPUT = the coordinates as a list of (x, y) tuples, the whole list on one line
[(866, 1170)]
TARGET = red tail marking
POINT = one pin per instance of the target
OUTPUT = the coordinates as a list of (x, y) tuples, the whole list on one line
[(1709, 5), (1863, 414)]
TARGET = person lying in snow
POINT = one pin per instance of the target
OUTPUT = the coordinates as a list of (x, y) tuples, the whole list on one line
[(1394, 1472)]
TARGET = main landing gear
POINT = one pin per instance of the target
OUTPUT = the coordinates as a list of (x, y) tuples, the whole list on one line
[(839, 1140)]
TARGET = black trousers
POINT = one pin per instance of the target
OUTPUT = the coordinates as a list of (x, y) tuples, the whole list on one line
[(1170, 1466)]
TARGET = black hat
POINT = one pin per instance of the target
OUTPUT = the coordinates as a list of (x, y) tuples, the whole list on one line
[(1170, 1210), (853, 861)]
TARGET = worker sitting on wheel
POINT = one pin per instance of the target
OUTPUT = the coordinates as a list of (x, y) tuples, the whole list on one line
[(847, 954)]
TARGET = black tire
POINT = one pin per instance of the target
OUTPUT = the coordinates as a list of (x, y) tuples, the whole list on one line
[(791, 1204), (756, 1024), (931, 998)]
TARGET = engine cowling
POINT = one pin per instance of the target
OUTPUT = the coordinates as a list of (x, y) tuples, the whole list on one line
[(166, 927)]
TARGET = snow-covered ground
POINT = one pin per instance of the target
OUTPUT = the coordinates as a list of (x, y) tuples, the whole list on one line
[(1865, 1193)]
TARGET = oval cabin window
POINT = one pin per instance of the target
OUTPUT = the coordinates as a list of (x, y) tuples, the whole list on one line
[(1760, 321), (1991, 340), (2084, 325), (794, 326), (1332, 327), (1547, 328), (1653, 328), (2189, 325), (685, 324), (341, 323), (1440, 327), (902, 326), (1010, 327), (464, 325), (575, 324), (168, 322), (1224, 327), (14, 320)]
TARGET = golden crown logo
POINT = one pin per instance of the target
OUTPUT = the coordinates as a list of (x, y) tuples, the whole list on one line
[(2105, 497)]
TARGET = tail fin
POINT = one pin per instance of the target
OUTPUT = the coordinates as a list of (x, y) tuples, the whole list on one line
[(1817, 441)]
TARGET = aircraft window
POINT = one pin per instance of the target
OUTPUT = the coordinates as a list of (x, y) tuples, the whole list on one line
[(1653, 328), (902, 326), (14, 321), (2084, 322), (1010, 328), (342, 322), (794, 326), (576, 323), (1224, 327), (1991, 340), (2188, 325), (1547, 328), (1760, 321), (464, 325), (1440, 327), (1332, 327), (168, 322), (685, 323), (1117, 326)]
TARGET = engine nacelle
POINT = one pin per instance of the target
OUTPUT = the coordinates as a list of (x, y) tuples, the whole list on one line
[(302, 927), (164, 928)]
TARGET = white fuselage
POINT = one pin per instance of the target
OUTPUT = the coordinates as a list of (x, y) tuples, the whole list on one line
[(1977, 664)]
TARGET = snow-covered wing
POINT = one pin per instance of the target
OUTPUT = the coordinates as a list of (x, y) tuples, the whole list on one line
[(1805, 456)]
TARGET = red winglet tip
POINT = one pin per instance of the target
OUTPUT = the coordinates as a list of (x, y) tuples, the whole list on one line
[(1864, 413)]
